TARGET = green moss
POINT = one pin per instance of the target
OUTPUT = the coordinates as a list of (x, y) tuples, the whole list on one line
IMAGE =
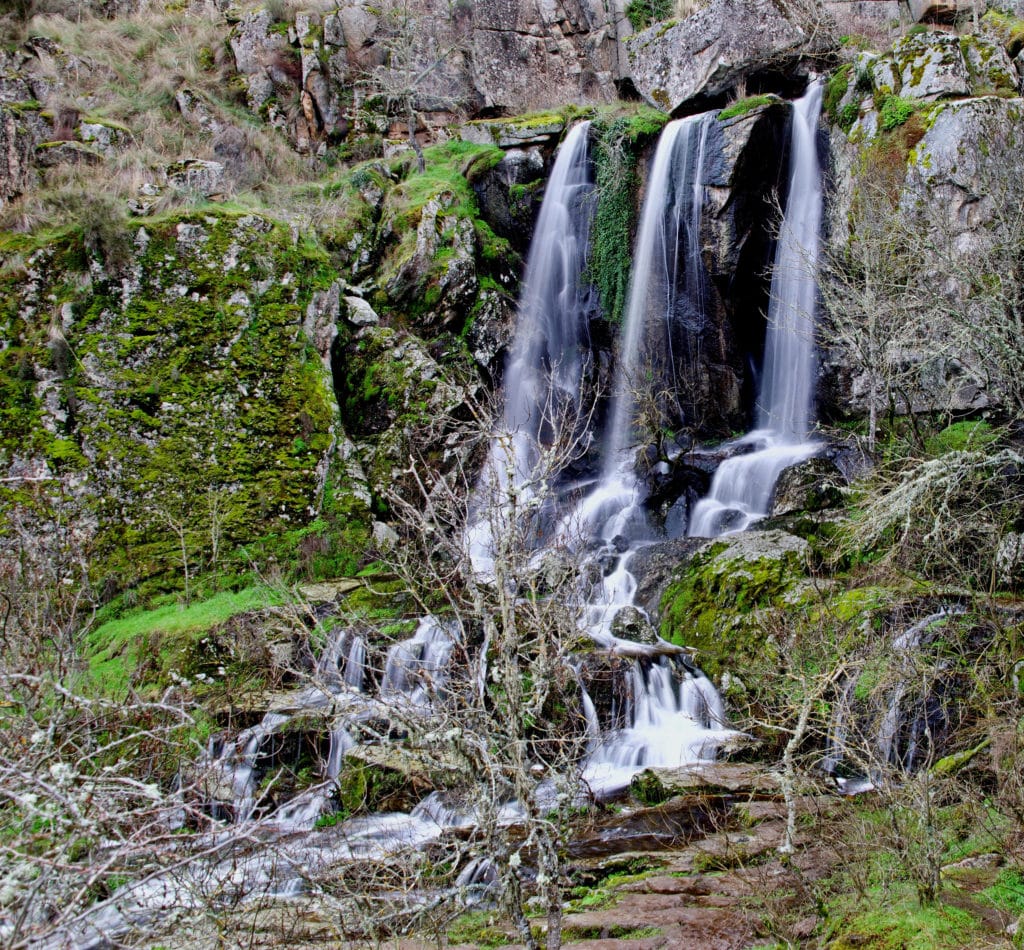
[(620, 139), (144, 648), (836, 89), (713, 605), (642, 13), (478, 929), (204, 413), (895, 924), (961, 436), (743, 106), (1007, 892)]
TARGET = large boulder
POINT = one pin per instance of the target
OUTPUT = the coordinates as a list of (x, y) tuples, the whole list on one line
[(726, 43), (718, 599), (812, 485), (537, 54), (931, 66)]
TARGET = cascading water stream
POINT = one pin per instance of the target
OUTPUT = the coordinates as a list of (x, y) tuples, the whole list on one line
[(548, 363), (674, 716), (741, 490)]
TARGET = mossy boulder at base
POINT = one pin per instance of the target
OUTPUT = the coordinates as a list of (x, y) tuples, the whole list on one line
[(717, 603), (378, 778)]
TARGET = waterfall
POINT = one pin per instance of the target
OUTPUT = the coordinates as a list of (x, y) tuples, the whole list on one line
[(550, 356), (416, 668), (889, 738), (668, 280), (674, 716), (741, 490)]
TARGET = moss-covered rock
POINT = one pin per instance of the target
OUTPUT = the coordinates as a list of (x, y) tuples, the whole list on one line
[(159, 380), (713, 606)]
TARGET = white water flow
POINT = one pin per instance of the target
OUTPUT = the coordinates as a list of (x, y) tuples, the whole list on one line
[(889, 740), (673, 716), (667, 277), (741, 491), (549, 359)]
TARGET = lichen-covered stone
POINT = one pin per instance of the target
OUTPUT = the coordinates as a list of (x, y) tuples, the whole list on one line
[(931, 65), (990, 67), (812, 485), (16, 148)]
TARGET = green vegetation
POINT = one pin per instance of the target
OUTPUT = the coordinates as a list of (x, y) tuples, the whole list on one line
[(961, 436), (836, 89), (619, 141), (894, 111), (743, 106), (897, 924), (478, 928), (145, 650), (642, 13)]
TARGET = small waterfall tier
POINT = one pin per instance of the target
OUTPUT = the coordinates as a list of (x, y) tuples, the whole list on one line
[(548, 364), (741, 490)]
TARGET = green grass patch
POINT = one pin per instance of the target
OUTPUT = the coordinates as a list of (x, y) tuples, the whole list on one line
[(902, 925), (743, 106), (157, 638), (961, 436), (479, 929), (1007, 892)]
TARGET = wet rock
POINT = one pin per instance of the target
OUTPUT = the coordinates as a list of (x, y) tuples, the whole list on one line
[(989, 65), (321, 323), (631, 624), (653, 566), (726, 42), (939, 11), (513, 133), (812, 485), (983, 862), (655, 785), (105, 138), (538, 54), (390, 778)]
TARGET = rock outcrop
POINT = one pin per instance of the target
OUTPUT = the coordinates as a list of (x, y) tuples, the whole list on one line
[(686, 65), (931, 138)]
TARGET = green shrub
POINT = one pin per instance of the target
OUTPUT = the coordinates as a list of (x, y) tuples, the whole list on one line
[(894, 111), (642, 13)]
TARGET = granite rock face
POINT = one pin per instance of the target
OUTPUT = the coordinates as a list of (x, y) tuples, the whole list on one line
[(679, 65), (938, 122)]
